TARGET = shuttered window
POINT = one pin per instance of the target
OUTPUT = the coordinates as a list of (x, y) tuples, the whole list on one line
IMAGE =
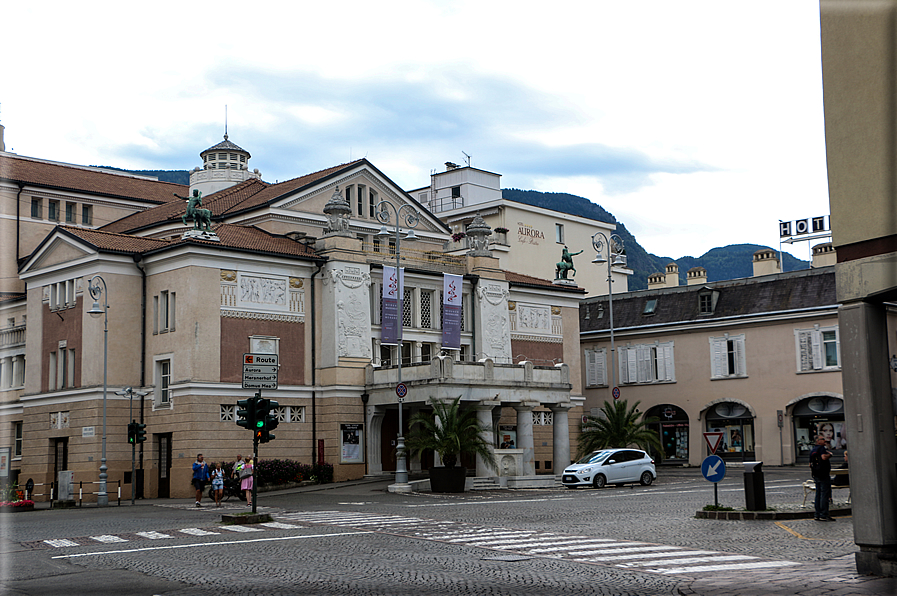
[(647, 363), (817, 349), (727, 357)]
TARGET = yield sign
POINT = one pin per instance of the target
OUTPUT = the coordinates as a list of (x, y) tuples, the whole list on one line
[(713, 440)]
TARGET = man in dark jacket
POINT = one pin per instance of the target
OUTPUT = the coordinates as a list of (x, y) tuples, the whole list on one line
[(821, 468)]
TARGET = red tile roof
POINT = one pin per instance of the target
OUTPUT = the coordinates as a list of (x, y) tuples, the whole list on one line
[(106, 241), (69, 177), (528, 280)]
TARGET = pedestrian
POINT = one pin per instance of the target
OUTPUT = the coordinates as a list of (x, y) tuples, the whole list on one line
[(218, 483), (200, 477), (821, 468), (238, 465), (246, 479)]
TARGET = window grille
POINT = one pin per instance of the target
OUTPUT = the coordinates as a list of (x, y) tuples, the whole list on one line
[(228, 413), (408, 308), (426, 302)]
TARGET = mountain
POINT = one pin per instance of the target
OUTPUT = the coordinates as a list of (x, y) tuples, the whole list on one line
[(176, 176), (722, 263)]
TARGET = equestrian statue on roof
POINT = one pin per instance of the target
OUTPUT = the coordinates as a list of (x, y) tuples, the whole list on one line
[(202, 218)]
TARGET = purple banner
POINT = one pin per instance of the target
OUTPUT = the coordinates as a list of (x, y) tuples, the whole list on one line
[(391, 318), (451, 311)]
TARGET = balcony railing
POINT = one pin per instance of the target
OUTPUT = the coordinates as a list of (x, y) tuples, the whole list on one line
[(12, 337)]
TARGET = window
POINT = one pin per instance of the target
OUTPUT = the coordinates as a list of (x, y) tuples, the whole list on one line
[(727, 357), (87, 215), (456, 192), (17, 449), (359, 200), (53, 213), (164, 307), (163, 383), (817, 349), (647, 363), (559, 233), (650, 306), (37, 209), (70, 211), (596, 368), (51, 372), (372, 203), (705, 303), (543, 418)]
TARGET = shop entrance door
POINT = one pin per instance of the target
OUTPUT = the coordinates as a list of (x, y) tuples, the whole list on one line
[(60, 461)]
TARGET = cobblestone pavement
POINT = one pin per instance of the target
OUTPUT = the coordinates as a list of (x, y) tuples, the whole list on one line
[(357, 538)]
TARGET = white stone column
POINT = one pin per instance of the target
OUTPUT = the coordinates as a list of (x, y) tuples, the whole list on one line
[(5, 374), (561, 436), (525, 436), (484, 417), (414, 464)]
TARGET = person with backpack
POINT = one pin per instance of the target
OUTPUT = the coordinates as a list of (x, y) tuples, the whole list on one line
[(821, 468)]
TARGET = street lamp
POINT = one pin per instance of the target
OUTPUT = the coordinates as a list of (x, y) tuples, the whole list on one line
[(131, 393), (412, 218), (615, 256), (95, 311)]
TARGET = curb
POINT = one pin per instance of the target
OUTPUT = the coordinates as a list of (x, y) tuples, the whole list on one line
[(766, 515)]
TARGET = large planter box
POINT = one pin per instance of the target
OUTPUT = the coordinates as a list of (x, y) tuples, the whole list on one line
[(447, 480), (17, 509)]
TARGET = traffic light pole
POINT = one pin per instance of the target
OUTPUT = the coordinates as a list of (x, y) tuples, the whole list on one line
[(255, 463), (133, 448)]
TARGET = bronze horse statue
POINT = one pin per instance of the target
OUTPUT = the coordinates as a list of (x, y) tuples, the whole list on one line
[(566, 264), (202, 218)]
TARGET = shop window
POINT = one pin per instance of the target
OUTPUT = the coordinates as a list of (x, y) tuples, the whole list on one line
[(727, 357), (737, 425), (821, 415), (672, 427)]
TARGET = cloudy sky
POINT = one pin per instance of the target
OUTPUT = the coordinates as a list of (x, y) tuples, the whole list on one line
[(697, 124)]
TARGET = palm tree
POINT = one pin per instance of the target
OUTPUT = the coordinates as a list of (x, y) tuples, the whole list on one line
[(449, 431), (618, 427)]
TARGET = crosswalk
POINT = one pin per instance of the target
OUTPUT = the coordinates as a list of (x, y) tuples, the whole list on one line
[(655, 558), (153, 535)]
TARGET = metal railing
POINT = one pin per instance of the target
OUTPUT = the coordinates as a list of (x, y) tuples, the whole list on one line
[(52, 494)]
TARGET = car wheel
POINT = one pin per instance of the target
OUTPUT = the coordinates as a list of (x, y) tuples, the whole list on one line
[(646, 479), (600, 481)]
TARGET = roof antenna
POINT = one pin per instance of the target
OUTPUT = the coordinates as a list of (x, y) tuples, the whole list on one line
[(225, 122), (467, 158)]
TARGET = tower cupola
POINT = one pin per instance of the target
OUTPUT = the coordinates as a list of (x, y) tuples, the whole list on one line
[(223, 166)]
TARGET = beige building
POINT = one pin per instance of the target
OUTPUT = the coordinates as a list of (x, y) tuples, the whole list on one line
[(525, 239), (295, 270), (757, 359)]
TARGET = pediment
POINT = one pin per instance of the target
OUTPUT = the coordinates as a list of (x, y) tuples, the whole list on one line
[(58, 251)]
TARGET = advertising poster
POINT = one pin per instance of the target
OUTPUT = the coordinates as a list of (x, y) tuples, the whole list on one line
[(351, 443), (507, 437), (451, 311)]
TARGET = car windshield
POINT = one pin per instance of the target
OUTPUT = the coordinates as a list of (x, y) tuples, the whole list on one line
[(594, 457)]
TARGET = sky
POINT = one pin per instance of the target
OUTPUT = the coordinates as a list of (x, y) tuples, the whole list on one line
[(697, 124)]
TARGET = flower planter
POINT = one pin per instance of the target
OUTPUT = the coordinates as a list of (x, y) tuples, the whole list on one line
[(447, 480), (16, 508)]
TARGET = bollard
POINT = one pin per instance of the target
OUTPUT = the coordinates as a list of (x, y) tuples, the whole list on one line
[(754, 489)]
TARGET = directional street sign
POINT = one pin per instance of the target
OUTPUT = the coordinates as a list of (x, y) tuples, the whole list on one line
[(713, 468), (713, 440), (260, 371)]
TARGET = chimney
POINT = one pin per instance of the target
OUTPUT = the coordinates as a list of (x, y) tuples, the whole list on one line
[(766, 262), (696, 276), (823, 255), (656, 280), (672, 275)]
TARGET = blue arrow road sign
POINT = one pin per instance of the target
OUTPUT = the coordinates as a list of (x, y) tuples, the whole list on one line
[(713, 468)]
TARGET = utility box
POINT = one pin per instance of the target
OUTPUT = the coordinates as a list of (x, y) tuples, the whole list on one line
[(65, 481), (754, 488)]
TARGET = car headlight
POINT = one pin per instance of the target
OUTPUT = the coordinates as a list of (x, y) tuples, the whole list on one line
[(585, 470)]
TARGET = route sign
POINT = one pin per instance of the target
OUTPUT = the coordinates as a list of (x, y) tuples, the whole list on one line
[(616, 392), (260, 371), (713, 468), (713, 440)]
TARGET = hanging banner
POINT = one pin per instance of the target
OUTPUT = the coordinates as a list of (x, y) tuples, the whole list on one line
[(451, 311), (391, 319)]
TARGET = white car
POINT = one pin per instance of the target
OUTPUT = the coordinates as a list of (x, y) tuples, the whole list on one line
[(611, 466)]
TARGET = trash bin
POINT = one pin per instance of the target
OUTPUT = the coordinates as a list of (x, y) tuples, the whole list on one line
[(754, 489)]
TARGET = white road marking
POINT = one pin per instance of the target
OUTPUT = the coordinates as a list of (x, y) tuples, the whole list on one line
[(637, 549), (239, 528), (61, 543), (153, 535), (108, 539), (732, 567), (200, 544), (197, 532), (653, 555), (688, 560), (279, 525)]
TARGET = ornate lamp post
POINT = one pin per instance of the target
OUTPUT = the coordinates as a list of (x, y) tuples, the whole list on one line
[(412, 218), (615, 256), (93, 286)]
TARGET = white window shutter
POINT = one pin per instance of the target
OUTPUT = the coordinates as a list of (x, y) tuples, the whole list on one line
[(632, 365), (804, 351), (717, 354), (601, 367), (661, 363), (643, 356), (740, 365), (591, 368), (816, 338), (669, 366)]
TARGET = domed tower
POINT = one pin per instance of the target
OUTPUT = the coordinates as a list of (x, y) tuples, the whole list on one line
[(223, 166)]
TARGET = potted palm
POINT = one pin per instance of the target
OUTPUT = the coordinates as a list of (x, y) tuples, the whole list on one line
[(448, 431)]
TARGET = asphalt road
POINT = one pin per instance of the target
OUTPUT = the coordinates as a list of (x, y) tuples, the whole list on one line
[(357, 538)]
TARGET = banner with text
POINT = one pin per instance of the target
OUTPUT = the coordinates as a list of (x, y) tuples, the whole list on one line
[(451, 311), (391, 319)]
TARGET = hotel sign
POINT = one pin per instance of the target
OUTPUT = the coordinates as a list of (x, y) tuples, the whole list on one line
[(802, 227)]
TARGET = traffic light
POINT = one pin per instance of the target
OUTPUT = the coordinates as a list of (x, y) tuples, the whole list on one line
[(246, 413), (140, 432), (271, 421), (132, 432), (262, 408)]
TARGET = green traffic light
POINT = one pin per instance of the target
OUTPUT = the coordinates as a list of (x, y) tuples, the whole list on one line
[(260, 424)]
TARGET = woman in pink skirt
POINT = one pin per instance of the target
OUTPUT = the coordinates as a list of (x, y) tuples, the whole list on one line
[(246, 479)]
